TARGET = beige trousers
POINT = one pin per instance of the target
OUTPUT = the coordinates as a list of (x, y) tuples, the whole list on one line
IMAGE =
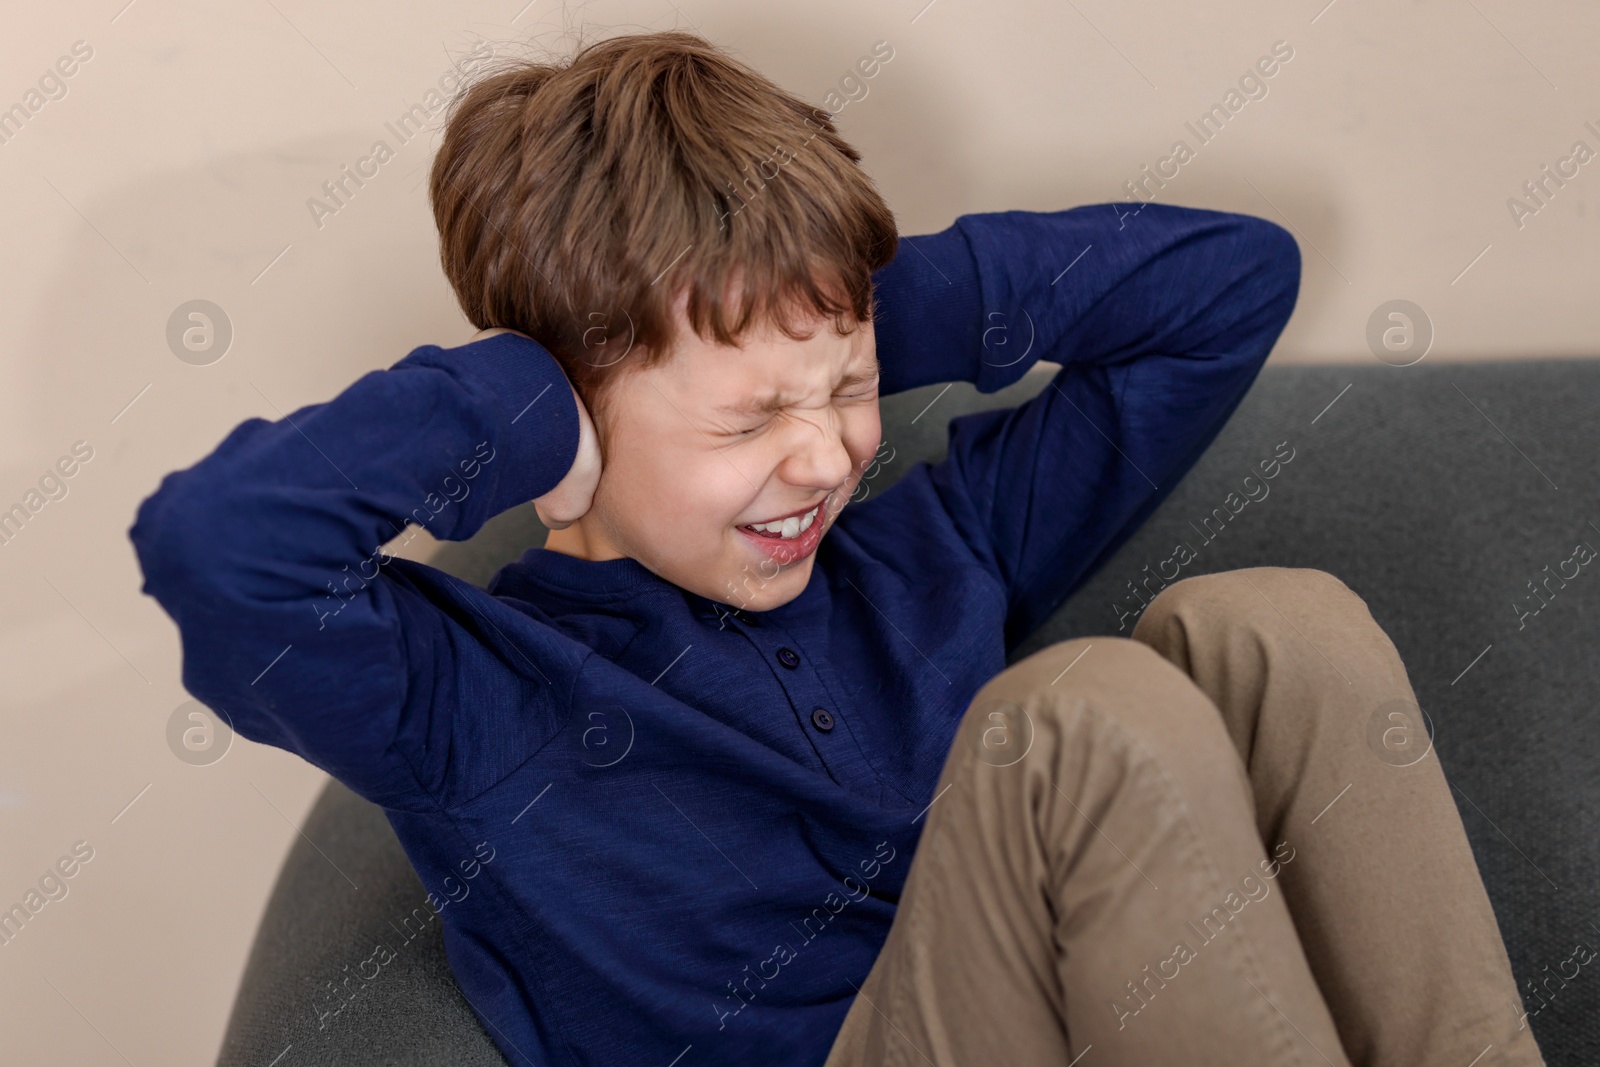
[(1225, 841)]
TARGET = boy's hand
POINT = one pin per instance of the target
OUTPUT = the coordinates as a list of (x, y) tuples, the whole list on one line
[(569, 501)]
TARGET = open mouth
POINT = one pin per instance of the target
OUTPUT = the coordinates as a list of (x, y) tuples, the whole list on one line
[(787, 527), (789, 538)]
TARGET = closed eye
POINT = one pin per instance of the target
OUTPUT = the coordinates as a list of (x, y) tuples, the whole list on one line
[(861, 394)]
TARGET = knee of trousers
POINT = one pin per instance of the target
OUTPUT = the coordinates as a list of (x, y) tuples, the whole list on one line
[(1238, 632), (1102, 698), (1265, 598)]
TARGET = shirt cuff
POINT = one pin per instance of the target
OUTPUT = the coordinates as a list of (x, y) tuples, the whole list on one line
[(526, 402), (929, 320)]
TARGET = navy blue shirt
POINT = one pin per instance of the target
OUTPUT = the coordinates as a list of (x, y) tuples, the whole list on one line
[(651, 826)]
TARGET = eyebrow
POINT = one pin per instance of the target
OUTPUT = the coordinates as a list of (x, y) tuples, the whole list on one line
[(770, 405)]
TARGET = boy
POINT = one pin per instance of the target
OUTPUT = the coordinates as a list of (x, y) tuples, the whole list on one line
[(698, 734)]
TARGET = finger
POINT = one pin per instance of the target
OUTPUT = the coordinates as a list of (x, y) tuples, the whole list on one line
[(549, 523)]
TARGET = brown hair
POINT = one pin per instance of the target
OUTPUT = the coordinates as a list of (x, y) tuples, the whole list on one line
[(574, 200)]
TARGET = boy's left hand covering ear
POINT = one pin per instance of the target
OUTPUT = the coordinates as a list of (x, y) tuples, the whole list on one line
[(572, 497)]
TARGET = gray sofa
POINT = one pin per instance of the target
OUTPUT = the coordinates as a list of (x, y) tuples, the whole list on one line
[(1437, 492)]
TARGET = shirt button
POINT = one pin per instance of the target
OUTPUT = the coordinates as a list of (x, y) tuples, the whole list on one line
[(789, 658), (821, 719)]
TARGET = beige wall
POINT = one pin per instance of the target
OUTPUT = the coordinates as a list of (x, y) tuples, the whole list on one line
[(178, 167)]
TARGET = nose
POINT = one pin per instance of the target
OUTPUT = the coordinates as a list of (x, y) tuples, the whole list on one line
[(819, 458)]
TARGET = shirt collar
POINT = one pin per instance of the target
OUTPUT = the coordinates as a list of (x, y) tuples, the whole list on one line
[(624, 578)]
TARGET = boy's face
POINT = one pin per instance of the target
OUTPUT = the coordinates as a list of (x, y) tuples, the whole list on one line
[(693, 458)]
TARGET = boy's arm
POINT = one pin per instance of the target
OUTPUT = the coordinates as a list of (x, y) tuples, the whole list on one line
[(265, 553), (1160, 322)]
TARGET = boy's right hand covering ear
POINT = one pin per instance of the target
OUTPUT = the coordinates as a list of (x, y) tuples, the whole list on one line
[(570, 500)]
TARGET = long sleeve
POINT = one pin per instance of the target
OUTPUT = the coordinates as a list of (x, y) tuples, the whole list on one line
[(1160, 324), (265, 553)]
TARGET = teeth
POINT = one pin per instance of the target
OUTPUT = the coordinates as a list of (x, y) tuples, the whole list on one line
[(789, 528)]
